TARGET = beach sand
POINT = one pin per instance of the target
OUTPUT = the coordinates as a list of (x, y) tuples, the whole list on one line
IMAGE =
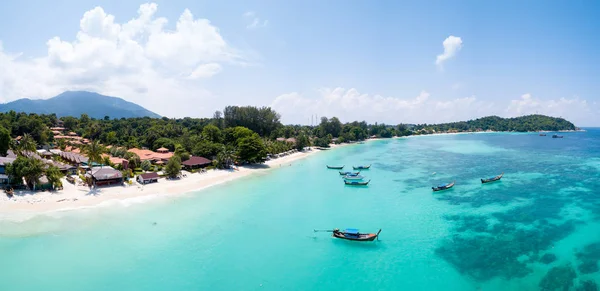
[(25, 204)]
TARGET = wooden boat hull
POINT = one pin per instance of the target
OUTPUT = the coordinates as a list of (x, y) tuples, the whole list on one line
[(361, 167), (435, 189), (358, 177), (335, 168), (356, 183), (359, 237), (497, 178), (349, 173)]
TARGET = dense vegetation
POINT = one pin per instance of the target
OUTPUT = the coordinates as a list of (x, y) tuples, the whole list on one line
[(495, 123), (240, 134)]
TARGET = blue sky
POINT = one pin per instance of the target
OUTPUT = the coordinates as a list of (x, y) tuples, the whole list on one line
[(352, 59)]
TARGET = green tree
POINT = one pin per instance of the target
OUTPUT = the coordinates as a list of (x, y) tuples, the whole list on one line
[(25, 167), (27, 144), (133, 159), (212, 133), (206, 149), (4, 141), (302, 141), (173, 167), (225, 157), (94, 152), (252, 149), (146, 165), (53, 175), (181, 153)]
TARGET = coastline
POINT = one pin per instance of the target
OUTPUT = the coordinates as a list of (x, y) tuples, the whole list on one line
[(27, 204)]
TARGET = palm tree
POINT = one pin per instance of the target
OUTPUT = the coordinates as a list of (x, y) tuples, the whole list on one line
[(26, 144), (94, 152), (53, 175), (225, 157)]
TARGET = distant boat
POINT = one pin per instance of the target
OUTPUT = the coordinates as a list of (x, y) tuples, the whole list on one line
[(356, 183), (361, 167), (443, 187), (357, 177), (557, 136), (335, 167), (352, 234), (542, 134), (349, 173), (492, 179)]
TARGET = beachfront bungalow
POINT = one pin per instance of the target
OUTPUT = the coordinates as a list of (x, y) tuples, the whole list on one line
[(147, 178), (104, 176), (74, 158), (3, 162), (44, 184), (196, 162)]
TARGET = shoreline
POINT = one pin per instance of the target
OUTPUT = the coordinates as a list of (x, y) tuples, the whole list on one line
[(27, 204)]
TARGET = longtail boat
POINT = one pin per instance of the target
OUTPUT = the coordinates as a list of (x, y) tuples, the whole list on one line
[(354, 235), (357, 177), (492, 179), (357, 183), (361, 167), (557, 136), (542, 134), (349, 173), (443, 187), (335, 167)]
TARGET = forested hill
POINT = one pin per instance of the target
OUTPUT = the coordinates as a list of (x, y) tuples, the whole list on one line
[(495, 123), (75, 103)]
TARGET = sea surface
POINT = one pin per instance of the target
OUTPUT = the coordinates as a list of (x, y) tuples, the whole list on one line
[(536, 229)]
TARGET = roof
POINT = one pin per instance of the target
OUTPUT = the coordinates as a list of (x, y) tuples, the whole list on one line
[(150, 155), (148, 176), (106, 173), (44, 180), (3, 176), (6, 160), (74, 157), (196, 161), (160, 150), (351, 230), (57, 128)]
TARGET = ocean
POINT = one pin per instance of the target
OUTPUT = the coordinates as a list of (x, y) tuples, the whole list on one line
[(536, 229)]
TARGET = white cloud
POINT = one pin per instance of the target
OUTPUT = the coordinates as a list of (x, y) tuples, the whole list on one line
[(452, 45), (254, 21), (576, 110), (205, 71), (141, 60), (350, 105)]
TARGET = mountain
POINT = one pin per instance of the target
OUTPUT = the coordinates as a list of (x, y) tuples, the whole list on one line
[(75, 103)]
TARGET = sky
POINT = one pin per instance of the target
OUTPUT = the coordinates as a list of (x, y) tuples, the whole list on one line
[(382, 61)]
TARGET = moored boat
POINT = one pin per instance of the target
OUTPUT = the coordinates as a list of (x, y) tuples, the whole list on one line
[(492, 179), (357, 177), (443, 187), (349, 173), (557, 136), (356, 183), (361, 167), (542, 134), (335, 167), (354, 235)]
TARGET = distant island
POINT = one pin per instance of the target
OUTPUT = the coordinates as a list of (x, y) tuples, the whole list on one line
[(75, 103), (494, 123)]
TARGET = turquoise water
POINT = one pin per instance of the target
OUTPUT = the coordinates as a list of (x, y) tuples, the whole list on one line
[(536, 229)]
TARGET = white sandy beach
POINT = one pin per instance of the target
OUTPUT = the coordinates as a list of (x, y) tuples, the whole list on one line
[(26, 204)]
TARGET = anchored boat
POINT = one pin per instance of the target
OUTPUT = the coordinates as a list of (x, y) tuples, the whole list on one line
[(335, 167), (349, 173), (361, 167), (352, 234), (492, 179), (357, 177), (443, 187), (356, 183)]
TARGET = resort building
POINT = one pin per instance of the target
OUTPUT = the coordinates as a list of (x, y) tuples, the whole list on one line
[(147, 178), (74, 158), (3, 162), (154, 157), (103, 176), (196, 162)]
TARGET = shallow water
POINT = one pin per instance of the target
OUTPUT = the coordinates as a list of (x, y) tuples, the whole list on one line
[(257, 233)]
